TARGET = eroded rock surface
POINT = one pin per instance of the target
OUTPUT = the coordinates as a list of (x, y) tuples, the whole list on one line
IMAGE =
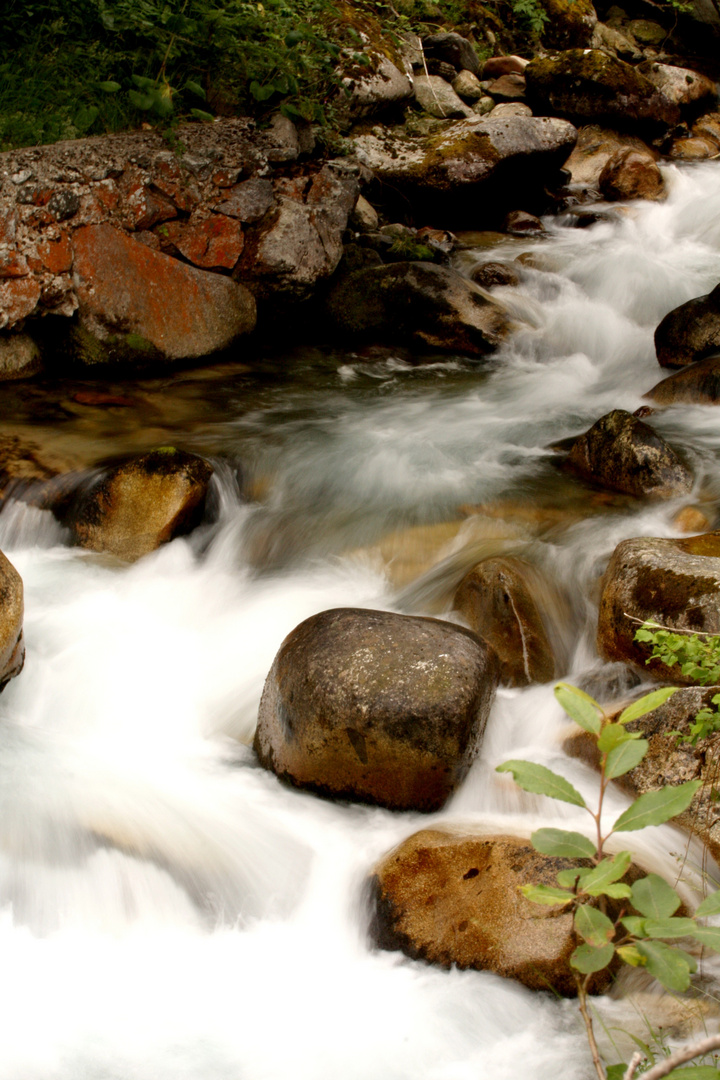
[(689, 332)]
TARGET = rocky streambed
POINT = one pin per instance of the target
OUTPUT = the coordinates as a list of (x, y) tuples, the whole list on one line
[(286, 610)]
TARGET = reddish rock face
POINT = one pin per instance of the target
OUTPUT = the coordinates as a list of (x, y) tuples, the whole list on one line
[(18, 298), (126, 290), (216, 241)]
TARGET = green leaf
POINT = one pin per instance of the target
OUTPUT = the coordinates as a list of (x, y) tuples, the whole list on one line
[(630, 955), (143, 83), (634, 925), (546, 894), (195, 88), (568, 878), (614, 734), (670, 928), (618, 891), (542, 781), (606, 873), (625, 757), (85, 118), (580, 707), (593, 926), (108, 87), (671, 967), (559, 842), (656, 807), (708, 935), (141, 101), (199, 114), (616, 1072), (654, 898), (709, 906), (588, 959), (646, 704)]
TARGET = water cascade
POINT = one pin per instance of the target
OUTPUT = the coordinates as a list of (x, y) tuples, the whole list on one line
[(169, 910)]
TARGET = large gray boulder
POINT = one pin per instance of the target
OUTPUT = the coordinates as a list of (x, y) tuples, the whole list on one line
[(590, 86), (689, 332), (452, 897), (470, 161), (420, 302), (376, 707), (624, 454), (437, 97), (675, 583)]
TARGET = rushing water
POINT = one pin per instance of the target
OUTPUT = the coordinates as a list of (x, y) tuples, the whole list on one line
[(168, 910)]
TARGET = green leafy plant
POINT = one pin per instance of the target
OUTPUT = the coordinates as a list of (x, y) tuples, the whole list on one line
[(646, 918), (698, 657)]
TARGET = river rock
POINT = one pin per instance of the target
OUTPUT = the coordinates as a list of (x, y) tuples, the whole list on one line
[(468, 87), (421, 302), (452, 49), (689, 332), (12, 644), (624, 454), (520, 223), (497, 66), (19, 356), (437, 97), (697, 384), (490, 274), (612, 40), (631, 174), (499, 601), (376, 707), (364, 217), (680, 86), (248, 201), (138, 305), (299, 242), (588, 85), (675, 583), (450, 169), (451, 897), (708, 127), (692, 149), (137, 506), (508, 88), (596, 148)]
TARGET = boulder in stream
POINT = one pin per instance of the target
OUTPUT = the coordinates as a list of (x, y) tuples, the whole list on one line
[(675, 583), (697, 384), (137, 506), (418, 302), (499, 599), (689, 332), (451, 897), (376, 707), (631, 174), (599, 149), (12, 644), (624, 454)]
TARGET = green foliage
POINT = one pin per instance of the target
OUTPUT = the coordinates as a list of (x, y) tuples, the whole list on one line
[(647, 919), (698, 658)]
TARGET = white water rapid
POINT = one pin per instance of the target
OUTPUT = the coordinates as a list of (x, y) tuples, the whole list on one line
[(169, 910)]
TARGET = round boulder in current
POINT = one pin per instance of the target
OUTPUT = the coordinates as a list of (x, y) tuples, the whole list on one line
[(376, 707)]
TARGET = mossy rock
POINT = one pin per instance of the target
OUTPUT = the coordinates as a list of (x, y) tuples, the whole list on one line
[(570, 23)]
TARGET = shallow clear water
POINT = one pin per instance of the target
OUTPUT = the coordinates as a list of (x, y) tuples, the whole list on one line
[(168, 910)]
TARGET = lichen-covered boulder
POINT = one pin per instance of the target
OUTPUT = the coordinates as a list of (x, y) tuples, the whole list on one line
[(12, 645), (139, 505), (416, 301), (624, 454), (140, 306), (681, 86), (675, 583), (689, 332), (377, 88), (698, 384), (631, 174), (376, 707), (501, 599), (451, 897), (589, 85)]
